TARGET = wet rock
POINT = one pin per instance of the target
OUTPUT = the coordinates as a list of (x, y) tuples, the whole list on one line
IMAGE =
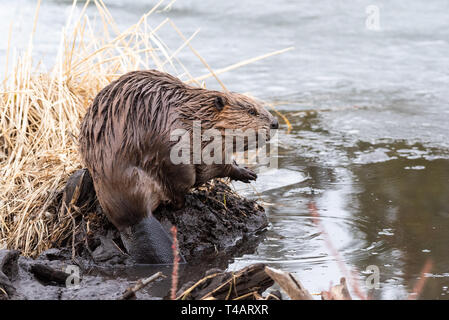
[(55, 254), (8, 272), (109, 251), (79, 189)]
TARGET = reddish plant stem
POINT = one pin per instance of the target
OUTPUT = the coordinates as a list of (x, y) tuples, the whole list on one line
[(334, 252), (176, 259), (419, 286)]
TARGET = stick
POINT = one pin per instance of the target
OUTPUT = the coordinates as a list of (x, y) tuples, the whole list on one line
[(174, 276), (131, 292), (337, 292), (198, 55), (289, 284), (240, 64)]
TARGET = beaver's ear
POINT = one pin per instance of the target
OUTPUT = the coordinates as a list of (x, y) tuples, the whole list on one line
[(219, 103)]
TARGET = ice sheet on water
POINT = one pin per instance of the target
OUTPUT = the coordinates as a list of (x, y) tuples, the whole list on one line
[(269, 180), (379, 155)]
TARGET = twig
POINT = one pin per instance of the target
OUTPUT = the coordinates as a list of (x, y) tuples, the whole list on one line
[(186, 293), (4, 292), (239, 64), (287, 122), (198, 55), (419, 286), (337, 292), (130, 293), (246, 295)]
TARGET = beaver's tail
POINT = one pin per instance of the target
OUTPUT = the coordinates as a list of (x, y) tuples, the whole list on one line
[(148, 242), (126, 207), (143, 235)]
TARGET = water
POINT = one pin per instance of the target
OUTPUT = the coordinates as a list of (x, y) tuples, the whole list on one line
[(369, 111)]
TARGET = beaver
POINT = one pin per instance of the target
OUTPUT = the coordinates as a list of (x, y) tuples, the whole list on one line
[(125, 144)]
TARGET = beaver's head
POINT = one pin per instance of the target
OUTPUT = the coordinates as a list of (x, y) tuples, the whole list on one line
[(229, 113), (237, 111)]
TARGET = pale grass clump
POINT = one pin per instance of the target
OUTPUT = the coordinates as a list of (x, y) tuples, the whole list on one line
[(40, 114)]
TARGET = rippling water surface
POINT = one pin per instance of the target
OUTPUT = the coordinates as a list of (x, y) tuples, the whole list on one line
[(369, 111)]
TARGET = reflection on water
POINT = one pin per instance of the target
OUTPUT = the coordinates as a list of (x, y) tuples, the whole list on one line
[(388, 208), (372, 152)]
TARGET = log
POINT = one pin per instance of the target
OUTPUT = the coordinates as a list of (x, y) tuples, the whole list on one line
[(49, 276), (292, 287), (242, 284)]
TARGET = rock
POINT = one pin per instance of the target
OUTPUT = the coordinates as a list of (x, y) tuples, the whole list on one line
[(108, 251), (79, 189), (8, 272)]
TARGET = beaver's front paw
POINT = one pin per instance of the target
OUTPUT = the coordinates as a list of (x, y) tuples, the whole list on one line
[(244, 174)]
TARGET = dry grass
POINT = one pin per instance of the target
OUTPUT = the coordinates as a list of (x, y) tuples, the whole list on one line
[(40, 113)]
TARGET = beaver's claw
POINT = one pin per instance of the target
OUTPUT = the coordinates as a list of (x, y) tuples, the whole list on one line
[(245, 174)]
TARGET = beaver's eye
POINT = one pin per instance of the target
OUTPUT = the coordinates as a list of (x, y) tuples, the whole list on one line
[(252, 112)]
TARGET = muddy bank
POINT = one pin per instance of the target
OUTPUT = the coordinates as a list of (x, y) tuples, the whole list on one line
[(51, 276), (215, 225), (26, 278)]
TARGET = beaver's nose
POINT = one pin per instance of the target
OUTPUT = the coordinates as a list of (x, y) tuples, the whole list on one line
[(274, 124)]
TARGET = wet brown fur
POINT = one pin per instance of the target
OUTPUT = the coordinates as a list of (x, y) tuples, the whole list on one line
[(125, 140)]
